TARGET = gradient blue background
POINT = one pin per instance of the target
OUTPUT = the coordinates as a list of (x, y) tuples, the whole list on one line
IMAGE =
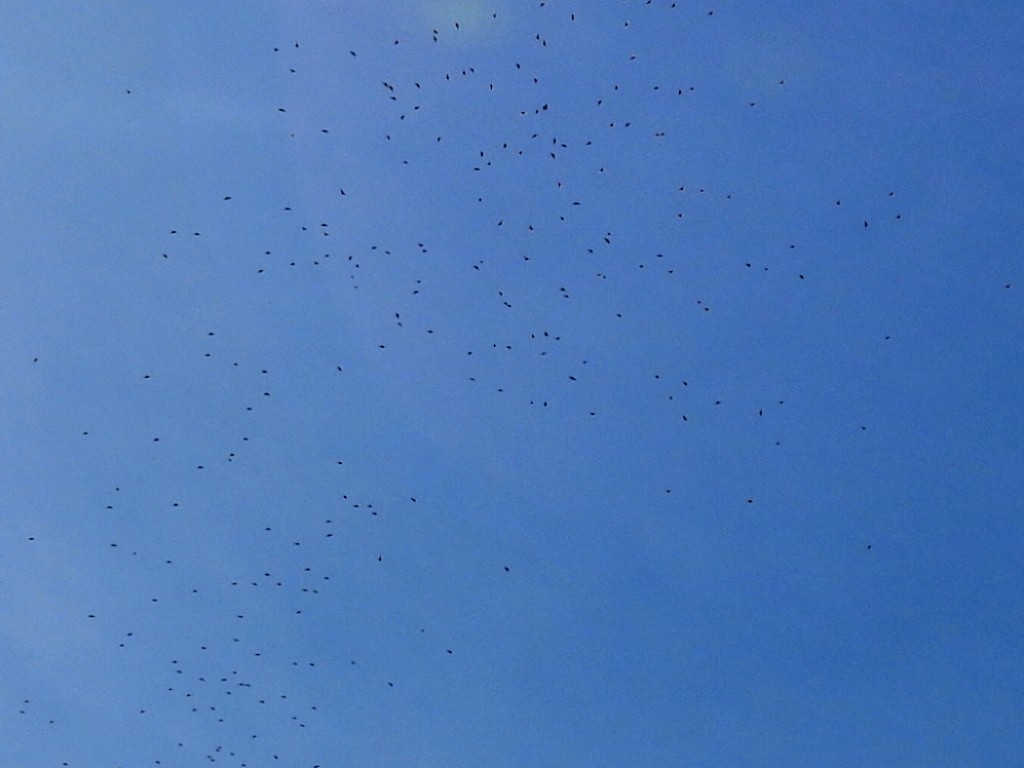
[(728, 479)]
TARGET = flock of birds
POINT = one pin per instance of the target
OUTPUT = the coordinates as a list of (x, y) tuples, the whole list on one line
[(559, 220)]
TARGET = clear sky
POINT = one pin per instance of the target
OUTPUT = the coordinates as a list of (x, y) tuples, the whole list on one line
[(469, 383)]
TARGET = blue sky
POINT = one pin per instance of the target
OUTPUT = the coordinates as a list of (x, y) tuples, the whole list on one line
[(607, 383)]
